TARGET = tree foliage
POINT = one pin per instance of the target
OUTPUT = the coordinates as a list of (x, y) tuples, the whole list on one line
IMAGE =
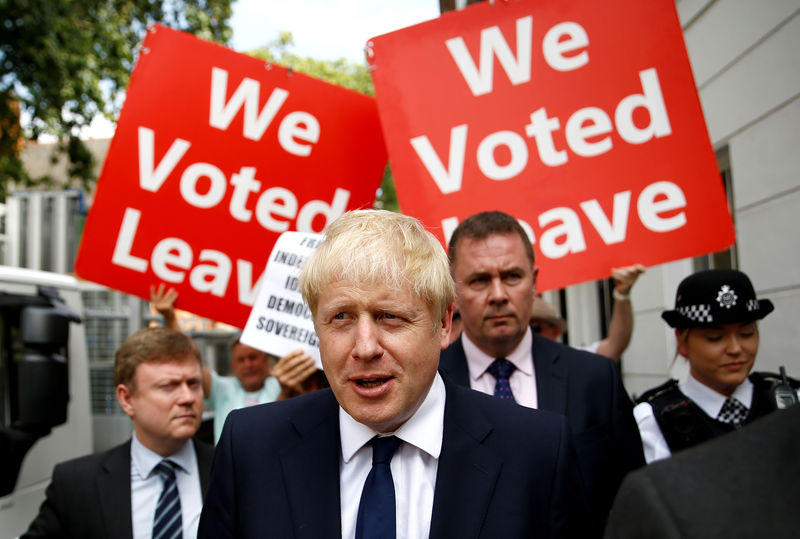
[(65, 61), (341, 72)]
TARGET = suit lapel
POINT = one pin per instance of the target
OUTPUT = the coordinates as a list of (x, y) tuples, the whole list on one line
[(114, 487), (205, 455), (551, 377), (467, 471), (453, 364), (311, 473)]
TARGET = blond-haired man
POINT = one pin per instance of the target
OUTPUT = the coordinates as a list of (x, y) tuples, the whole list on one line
[(318, 466)]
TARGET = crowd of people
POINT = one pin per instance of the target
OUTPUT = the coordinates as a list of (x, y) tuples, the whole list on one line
[(447, 408)]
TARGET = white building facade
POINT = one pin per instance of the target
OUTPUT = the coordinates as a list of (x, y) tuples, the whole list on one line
[(745, 57)]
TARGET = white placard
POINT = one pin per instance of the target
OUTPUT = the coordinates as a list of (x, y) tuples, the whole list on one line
[(280, 321)]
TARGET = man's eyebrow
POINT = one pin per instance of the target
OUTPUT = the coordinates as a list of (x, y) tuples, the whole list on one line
[(338, 304), (478, 272)]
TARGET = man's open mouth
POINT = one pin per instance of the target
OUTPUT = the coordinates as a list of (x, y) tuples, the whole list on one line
[(371, 382)]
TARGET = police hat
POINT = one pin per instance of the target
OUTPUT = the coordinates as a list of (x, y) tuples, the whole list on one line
[(713, 297)]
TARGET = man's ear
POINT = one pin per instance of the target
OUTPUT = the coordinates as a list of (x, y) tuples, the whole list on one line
[(447, 326), (535, 271), (124, 396)]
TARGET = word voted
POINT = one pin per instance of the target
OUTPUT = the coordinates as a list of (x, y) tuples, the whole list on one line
[(587, 131), (583, 125), (562, 233), (273, 208)]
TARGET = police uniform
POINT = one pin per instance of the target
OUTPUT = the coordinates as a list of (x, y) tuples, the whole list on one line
[(675, 416)]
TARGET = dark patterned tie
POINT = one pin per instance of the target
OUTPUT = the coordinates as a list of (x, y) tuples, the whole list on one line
[(732, 411), (167, 522), (376, 512), (501, 369)]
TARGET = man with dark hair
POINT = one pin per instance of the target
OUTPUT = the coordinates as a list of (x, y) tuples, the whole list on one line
[(492, 263), (153, 484)]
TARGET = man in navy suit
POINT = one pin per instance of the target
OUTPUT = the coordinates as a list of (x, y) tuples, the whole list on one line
[(464, 464), (492, 263)]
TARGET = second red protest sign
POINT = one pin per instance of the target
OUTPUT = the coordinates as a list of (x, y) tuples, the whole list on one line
[(579, 118)]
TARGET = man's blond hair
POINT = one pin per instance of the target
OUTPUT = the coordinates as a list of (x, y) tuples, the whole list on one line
[(368, 248)]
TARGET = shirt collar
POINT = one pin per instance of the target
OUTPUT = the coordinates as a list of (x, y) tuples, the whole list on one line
[(144, 460), (478, 360), (423, 429), (709, 400)]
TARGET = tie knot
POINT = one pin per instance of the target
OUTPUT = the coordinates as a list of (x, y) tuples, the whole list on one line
[(383, 448), (501, 368), (166, 469), (732, 411)]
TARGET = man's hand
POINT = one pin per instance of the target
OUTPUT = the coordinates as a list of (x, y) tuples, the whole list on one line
[(625, 277), (163, 301), (292, 370)]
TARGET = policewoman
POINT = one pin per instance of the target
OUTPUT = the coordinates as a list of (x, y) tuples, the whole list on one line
[(716, 330)]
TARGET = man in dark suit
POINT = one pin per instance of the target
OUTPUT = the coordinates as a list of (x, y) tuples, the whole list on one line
[(492, 263), (317, 466), (743, 484), (159, 385)]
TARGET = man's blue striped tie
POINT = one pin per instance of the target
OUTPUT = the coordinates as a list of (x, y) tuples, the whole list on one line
[(167, 522)]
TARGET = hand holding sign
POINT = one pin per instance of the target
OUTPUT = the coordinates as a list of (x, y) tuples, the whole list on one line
[(280, 321), (292, 370)]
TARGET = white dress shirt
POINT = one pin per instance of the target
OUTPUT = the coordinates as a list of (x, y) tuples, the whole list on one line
[(146, 486), (522, 380), (655, 446), (413, 466)]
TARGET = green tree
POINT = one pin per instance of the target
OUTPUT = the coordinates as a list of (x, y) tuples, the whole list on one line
[(65, 61), (341, 72)]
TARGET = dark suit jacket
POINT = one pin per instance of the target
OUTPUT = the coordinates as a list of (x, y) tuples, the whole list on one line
[(742, 484), (276, 472), (588, 390), (90, 497)]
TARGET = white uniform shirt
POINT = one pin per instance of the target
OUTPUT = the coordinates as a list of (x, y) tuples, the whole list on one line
[(414, 466), (655, 446)]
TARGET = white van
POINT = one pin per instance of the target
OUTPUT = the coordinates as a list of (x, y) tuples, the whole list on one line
[(44, 388)]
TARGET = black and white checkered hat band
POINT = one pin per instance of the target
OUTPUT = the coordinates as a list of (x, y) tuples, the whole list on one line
[(752, 305), (698, 313)]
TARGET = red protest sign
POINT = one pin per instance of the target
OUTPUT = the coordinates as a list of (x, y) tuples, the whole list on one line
[(579, 118), (215, 155)]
